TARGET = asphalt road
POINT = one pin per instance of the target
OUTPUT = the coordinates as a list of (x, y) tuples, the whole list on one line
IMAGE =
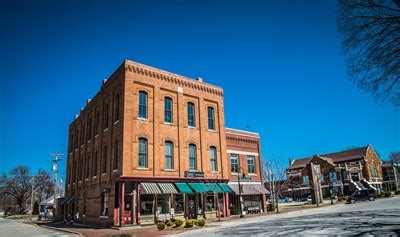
[(380, 217), (13, 228)]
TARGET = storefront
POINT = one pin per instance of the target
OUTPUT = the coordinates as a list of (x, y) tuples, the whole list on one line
[(253, 197), (154, 201)]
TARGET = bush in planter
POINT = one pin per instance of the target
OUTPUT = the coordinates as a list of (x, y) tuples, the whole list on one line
[(195, 222), (160, 225), (201, 222), (387, 194), (169, 223), (178, 222), (189, 224)]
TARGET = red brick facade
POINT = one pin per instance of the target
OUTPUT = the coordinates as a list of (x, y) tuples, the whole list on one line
[(104, 149)]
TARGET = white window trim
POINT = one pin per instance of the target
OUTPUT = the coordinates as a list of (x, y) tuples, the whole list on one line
[(243, 153)]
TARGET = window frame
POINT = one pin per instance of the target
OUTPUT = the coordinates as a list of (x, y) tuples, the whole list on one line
[(191, 116), (116, 155), (143, 154), (236, 156), (211, 118), (104, 163), (117, 108), (213, 159), (169, 158), (194, 157), (142, 105), (168, 102), (252, 158)]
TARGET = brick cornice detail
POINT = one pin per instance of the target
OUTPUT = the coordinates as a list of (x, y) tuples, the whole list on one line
[(172, 78)]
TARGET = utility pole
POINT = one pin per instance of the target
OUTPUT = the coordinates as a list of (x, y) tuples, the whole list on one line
[(55, 160), (33, 182)]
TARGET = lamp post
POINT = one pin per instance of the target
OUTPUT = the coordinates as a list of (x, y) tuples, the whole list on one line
[(240, 193)]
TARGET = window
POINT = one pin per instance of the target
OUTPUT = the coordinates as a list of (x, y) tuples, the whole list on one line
[(142, 104), (87, 166), (97, 122), (211, 124), (74, 168), (105, 116), (76, 139), (213, 158), (116, 108), (82, 138), (142, 152), (190, 111), (234, 163), (81, 169), (332, 176), (71, 142), (306, 179), (104, 169), (89, 128), (169, 155), (96, 156), (192, 157), (116, 155), (321, 178), (167, 110), (251, 164), (104, 204)]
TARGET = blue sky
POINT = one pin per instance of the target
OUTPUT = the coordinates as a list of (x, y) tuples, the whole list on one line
[(279, 63)]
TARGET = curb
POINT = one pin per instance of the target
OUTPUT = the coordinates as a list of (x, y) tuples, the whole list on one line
[(58, 229)]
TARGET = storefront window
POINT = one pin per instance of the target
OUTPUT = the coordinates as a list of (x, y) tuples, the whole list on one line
[(163, 204), (179, 205), (210, 204), (146, 204)]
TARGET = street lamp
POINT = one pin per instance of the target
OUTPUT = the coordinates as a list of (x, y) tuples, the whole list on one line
[(240, 191)]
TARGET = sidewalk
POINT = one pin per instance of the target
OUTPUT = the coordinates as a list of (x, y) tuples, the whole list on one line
[(151, 230)]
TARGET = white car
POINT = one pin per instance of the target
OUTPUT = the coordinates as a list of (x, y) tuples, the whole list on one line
[(309, 200)]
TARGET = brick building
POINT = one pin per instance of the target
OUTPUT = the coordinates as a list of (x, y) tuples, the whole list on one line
[(391, 176), (343, 172), (151, 145)]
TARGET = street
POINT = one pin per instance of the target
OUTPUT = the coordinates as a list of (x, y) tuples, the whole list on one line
[(380, 217), (12, 228)]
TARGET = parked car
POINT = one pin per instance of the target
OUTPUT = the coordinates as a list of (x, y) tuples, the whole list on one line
[(304, 198), (359, 195), (285, 200), (309, 200)]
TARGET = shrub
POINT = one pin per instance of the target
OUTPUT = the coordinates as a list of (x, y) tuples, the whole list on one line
[(160, 225), (201, 222), (169, 223), (178, 222), (195, 222), (189, 224), (397, 192), (379, 195), (342, 199), (387, 194)]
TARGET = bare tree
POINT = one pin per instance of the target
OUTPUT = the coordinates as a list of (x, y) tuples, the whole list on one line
[(395, 157), (275, 175), (370, 32), (17, 184)]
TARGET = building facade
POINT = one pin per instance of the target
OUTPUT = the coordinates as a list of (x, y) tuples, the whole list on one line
[(341, 172), (391, 176), (150, 145)]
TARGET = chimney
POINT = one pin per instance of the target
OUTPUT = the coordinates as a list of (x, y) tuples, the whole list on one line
[(104, 81), (199, 79), (88, 101), (76, 116)]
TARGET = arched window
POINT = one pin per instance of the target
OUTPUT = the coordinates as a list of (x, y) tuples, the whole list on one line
[(167, 110), (169, 155), (211, 122), (142, 104), (142, 152), (213, 158), (192, 157), (190, 112)]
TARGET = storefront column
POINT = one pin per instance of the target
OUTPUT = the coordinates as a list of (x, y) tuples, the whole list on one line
[(122, 207), (264, 202), (138, 204), (226, 205), (185, 206), (155, 201)]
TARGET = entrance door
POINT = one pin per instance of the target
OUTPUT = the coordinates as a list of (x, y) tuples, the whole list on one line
[(192, 206), (355, 177)]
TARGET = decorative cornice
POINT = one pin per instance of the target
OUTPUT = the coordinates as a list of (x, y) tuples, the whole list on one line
[(171, 78)]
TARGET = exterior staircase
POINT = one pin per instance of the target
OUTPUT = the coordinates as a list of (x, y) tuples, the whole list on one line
[(361, 185), (368, 184)]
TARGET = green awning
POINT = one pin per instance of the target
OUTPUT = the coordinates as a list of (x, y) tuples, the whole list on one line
[(183, 188), (225, 187), (198, 187), (206, 187), (214, 188)]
